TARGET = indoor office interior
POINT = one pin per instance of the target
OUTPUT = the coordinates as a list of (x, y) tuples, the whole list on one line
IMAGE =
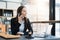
[(44, 16)]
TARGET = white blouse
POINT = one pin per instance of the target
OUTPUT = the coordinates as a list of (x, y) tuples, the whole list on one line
[(21, 28)]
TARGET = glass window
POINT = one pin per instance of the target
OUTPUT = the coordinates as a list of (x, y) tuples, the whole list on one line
[(57, 17)]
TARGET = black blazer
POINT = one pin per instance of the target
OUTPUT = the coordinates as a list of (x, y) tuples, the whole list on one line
[(15, 26)]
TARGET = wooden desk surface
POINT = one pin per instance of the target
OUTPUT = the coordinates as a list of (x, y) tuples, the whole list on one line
[(9, 36)]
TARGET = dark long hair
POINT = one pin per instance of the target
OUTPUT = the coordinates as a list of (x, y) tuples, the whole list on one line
[(19, 10)]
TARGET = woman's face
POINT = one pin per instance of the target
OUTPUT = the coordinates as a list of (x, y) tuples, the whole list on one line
[(24, 12)]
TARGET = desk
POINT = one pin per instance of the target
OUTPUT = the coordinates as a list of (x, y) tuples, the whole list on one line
[(8, 36), (17, 37)]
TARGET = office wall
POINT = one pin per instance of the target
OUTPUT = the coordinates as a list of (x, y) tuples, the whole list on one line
[(13, 6), (10, 5), (2, 5), (12, 0)]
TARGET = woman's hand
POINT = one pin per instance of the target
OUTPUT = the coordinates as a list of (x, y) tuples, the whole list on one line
[(20, 33), (30, 32)]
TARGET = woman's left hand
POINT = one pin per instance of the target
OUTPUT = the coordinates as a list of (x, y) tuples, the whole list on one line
[(30, 32), (20, 33)]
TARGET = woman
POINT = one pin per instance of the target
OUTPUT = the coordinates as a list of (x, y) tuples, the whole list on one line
[(20, 24)]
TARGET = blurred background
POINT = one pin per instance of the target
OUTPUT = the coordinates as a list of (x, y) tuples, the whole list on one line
[(37, 10)]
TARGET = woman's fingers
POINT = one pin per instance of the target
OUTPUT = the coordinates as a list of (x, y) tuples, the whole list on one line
[(20, 33), (30, 32)]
